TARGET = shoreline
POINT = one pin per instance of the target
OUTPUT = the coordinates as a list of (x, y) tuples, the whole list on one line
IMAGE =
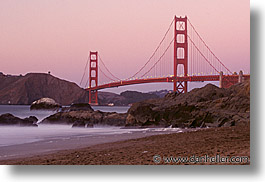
[(80, 139), (224, 141)]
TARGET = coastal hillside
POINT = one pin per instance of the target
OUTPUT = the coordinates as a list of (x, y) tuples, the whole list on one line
[(33, 86)]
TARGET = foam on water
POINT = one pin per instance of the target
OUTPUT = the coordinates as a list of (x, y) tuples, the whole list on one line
[(15, 135)]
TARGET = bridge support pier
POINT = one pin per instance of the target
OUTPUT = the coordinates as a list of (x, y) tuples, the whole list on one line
[(221, 80), (240, 77), (180, 52), (93, 97), (93, 78), (226, 81)]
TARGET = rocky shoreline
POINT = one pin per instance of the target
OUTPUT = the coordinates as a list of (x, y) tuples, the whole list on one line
[(208, 106), (82, 115), (9, 119)]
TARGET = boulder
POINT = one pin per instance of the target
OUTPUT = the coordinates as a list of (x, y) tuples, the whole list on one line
[(79, 124), (9, 119), (31, 119), (79, 107), (86, 118), (113, 119), (45, 103)]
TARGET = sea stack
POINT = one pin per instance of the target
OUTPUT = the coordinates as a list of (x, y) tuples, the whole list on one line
[(46, 104)]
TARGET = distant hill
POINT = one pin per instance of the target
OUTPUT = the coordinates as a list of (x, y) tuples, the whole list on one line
[(125, 98), (33, 86), (160, 93)]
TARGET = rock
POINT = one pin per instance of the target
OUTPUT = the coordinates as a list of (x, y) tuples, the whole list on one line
[(45, 103), (79, 107), (9, 119), (86, 118), (79, 124), (208, 106), (113, 119), (82, 124), (140, 113), (31, 119)]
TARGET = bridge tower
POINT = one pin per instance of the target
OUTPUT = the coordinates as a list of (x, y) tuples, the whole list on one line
[(93, 78), (180, 52)]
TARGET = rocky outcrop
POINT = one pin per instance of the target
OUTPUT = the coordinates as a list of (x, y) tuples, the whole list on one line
[(86, 118), (33, 86), (82, 115), (79, 107), (209, 106), (45, 103), (9, 119)]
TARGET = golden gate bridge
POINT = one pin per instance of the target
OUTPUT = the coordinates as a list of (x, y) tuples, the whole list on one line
[(180, 57)]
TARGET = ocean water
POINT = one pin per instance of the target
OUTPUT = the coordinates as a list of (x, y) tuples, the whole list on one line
[(16, 136), (18, 141), (11, 135), (23, 111)]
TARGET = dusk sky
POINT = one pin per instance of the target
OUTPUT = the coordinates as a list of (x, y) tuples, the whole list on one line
[(57, 35)]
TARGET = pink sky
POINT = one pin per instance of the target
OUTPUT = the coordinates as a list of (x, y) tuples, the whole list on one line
[(56, 35)]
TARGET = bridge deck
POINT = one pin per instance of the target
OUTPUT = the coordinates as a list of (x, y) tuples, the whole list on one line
[(166, 79)]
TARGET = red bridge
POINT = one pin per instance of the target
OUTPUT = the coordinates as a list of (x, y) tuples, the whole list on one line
[(180, 57)]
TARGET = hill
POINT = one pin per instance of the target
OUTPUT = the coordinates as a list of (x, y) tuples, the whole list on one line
[(33, 86)]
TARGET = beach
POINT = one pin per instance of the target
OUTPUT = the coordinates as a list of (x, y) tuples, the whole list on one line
[(225, 142)]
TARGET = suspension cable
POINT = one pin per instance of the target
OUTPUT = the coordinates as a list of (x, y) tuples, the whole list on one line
[(108, 69), (160, 43), (208, 46), (159, 58), (203, 55), (84, 71)]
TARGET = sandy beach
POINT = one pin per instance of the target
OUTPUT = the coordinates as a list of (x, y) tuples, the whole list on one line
[(226, 142)]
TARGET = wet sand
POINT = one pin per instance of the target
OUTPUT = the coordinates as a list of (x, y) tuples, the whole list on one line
[(66, 141), (225, 142)]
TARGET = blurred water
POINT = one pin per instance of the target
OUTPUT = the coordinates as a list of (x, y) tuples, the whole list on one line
[(12, 135), (23, 111)]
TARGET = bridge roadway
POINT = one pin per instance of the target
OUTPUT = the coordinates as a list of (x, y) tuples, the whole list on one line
[(232, 78)]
